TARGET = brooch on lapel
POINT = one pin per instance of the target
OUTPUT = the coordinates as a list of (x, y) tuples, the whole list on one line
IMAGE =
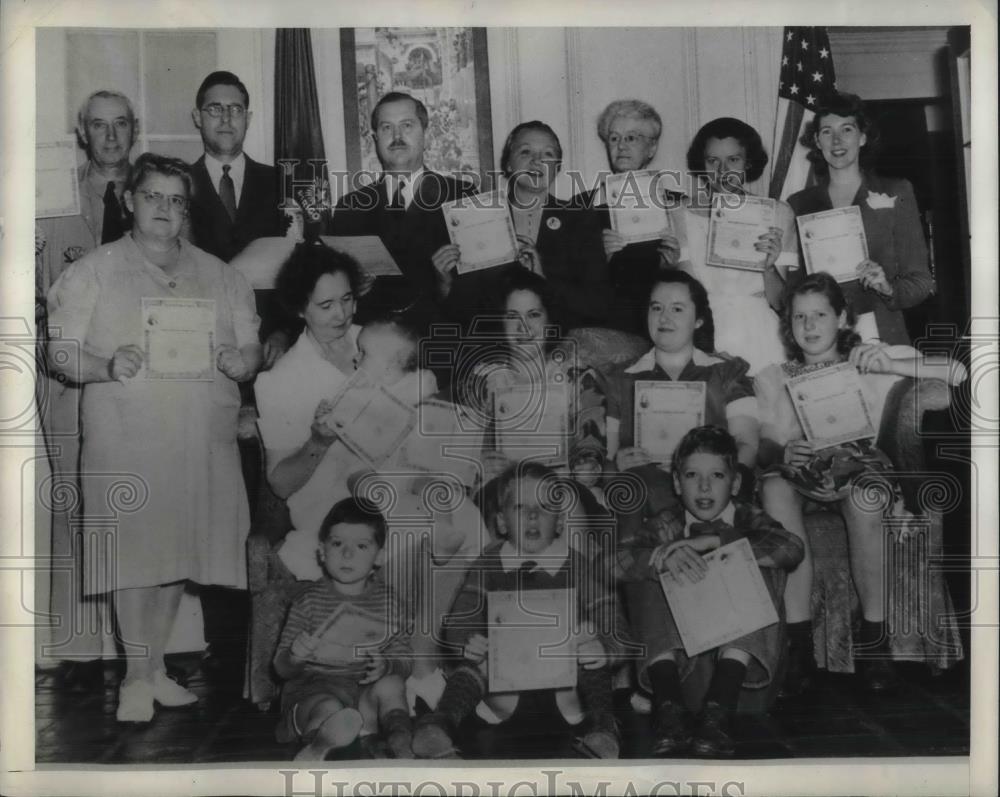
[(553, 223), (877, 201)]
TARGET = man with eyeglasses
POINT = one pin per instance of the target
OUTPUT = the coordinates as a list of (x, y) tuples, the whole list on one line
[(106, 129), (630, 130), (235, 201)]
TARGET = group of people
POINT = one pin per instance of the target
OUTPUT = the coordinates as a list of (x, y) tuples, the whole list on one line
[(748, 472)]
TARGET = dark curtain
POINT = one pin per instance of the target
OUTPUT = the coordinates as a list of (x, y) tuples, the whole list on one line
[(298, 134)]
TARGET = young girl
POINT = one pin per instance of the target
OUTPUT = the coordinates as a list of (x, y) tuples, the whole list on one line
[(726, 153), (818, 327)]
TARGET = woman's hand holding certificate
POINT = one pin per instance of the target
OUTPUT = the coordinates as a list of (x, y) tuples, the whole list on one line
[(740, 232), (481, 228), (834, 241)]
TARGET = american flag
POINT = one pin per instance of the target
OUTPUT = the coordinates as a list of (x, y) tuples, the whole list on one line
[(806, 79)]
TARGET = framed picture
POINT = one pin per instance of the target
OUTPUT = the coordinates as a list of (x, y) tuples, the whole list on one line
[(445, 68)]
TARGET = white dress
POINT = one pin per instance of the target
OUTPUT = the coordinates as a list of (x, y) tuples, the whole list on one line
[(745, 324)]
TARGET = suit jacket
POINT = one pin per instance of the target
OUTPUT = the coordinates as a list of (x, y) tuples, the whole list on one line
[(258, 214), (895, 241), (630, 270), (572, 258), (411, 236)]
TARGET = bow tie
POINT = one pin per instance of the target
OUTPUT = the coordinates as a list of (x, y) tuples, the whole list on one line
[(708, 527)]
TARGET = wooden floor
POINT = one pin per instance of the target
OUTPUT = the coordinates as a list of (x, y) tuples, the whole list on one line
[(926, 716)]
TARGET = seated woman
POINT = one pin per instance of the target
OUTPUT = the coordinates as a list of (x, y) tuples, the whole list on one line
[(818, 326), (725, 154), (896, 275), (556, 240), (535, 356), (680, 326)]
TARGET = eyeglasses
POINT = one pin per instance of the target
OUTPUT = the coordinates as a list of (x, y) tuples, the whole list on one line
[(628, 139), (174, 201), (216, 110)]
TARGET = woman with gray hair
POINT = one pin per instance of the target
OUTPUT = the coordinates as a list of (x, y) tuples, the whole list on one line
[(630, 130)]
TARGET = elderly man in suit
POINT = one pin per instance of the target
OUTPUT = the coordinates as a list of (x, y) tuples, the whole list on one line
[(106, 129), (401, 208)]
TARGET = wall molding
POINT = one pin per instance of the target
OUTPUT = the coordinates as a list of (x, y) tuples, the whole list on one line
[(513, 77), (574, 95), (879, 41), (692, 104)]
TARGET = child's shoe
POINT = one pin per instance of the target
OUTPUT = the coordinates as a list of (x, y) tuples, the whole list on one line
[(398, 732), (431, 739), (670, 733), (135, 701), (167, 692), (602, 741), (712, 737)]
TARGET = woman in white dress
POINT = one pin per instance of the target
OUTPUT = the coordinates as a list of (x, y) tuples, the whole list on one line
[(725, 155)]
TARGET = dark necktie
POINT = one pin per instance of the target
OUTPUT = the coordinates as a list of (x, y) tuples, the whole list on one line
[(112, 227), (227, 192), (397, 197)]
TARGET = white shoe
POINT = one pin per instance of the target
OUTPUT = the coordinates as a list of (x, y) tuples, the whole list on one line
[(167, 692), (135, 701)]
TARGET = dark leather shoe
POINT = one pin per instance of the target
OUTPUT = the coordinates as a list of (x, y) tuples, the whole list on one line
[(711, 738), (878, 675), (670, 733)]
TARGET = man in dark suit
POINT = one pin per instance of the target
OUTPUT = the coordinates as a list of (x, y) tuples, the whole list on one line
[(630, 130), (402, 208), (235, 200)]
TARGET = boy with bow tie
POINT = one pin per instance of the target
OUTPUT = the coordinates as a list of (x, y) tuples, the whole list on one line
[(706, 480)]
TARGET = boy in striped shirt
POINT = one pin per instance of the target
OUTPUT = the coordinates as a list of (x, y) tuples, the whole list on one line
[(341, 653)]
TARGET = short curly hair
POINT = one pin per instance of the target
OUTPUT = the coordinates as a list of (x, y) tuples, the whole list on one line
[(843, 105), (357, 512), (631, 109), (301, 271), (824, 284), (150, 163), (707, 440), (728, 127)]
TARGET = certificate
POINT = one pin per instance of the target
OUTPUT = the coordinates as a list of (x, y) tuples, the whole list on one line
[(664, 413), (482, 229), (179, 339), (348, 634), (445, 439), (834, 241), (371, 421), (368, 250), (635, 201), (533, 422), (731, 601), (831, 405), (734, 231), (530, 639), (57, 189)]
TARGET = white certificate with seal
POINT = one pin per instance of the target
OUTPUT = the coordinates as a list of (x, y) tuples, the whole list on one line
[(834, 241), (445, 439), (734, 228), (533, 422), (530, 639), (730, 602), (348, 635), (481, 227), (831, 405), (636, 204), (370, 420), (178, 338), (664, 413)]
